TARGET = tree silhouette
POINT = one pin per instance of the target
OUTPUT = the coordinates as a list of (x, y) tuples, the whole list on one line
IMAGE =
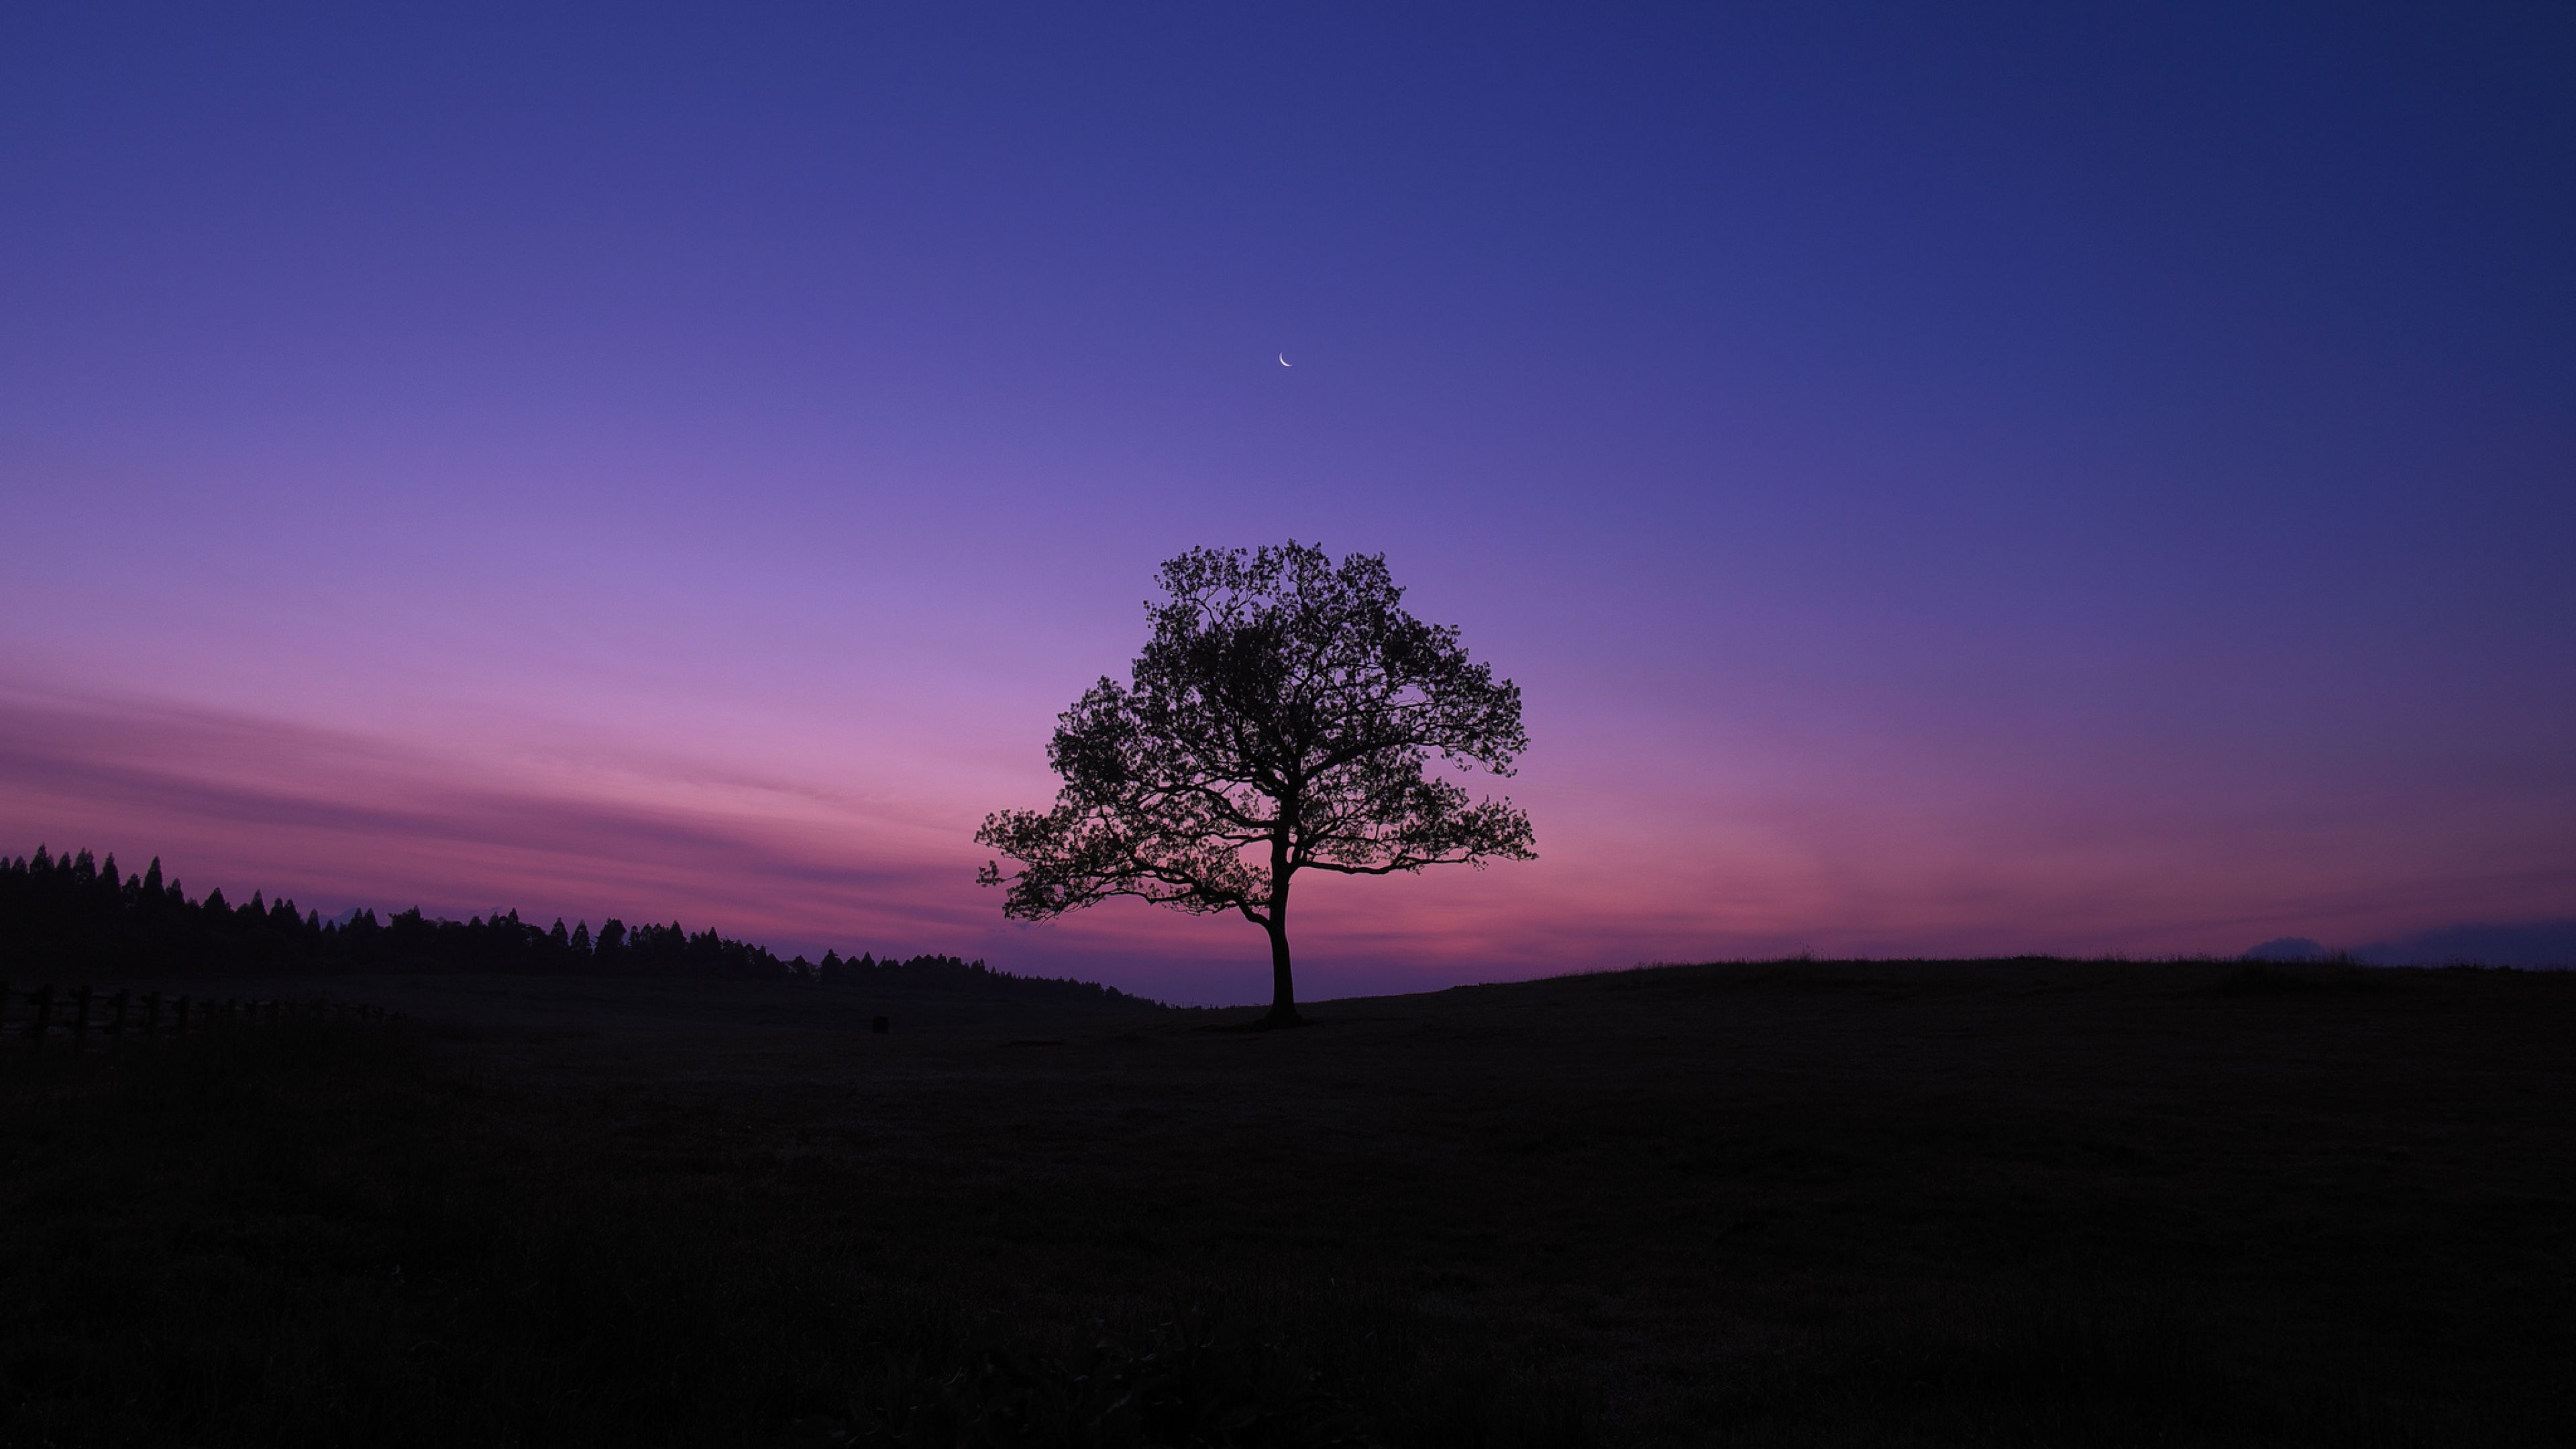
[(1286, 714)]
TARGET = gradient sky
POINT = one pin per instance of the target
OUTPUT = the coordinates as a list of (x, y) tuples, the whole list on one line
[(2027, 480)]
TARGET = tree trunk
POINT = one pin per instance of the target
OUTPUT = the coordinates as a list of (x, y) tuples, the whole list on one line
[(1283, 994), (1283, 991)]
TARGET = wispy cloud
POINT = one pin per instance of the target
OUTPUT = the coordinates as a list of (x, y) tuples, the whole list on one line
[(591, 827), (336, 818)]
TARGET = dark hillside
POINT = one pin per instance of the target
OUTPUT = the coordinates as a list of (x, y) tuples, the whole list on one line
[(2031, 1203)]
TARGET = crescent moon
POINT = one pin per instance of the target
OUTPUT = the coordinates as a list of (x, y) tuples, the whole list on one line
[(1284, 362)]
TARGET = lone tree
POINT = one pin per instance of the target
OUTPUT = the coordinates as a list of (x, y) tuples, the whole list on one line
[(1286, 715)]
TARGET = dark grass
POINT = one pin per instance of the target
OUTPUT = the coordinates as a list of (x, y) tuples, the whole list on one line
[(1946, 1203)]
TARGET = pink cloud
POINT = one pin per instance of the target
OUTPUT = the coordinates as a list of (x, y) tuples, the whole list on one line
[(1765, 850)]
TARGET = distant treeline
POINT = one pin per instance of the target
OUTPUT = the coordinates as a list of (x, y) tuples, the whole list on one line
[(72, 915)]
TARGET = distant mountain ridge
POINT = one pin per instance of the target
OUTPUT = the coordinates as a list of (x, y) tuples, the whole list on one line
[(2528, 944), (72, 915)]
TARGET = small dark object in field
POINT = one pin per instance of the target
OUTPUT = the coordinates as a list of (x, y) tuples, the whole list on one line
[(880, 1025)]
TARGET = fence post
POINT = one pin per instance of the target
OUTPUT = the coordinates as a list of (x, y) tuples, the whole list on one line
[(116, 1023), (181, 1025), (151, 1015), (44, 1014), (4, 1008), (80, 1017)]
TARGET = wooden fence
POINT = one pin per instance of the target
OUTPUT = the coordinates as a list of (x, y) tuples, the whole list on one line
[(79, 1012)]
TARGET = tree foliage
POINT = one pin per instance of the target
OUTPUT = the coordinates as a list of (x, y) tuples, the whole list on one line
[(1286, 714)]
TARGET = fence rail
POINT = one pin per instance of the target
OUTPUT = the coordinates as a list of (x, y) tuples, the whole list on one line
[(78, 1012)]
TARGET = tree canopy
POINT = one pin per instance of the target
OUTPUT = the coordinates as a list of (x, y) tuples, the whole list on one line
[(1286, 714)]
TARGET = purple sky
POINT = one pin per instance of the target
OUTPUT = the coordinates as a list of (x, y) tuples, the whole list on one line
[(1943, 483)]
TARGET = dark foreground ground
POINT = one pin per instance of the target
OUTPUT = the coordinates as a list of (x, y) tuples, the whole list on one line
[(1958, 1203)]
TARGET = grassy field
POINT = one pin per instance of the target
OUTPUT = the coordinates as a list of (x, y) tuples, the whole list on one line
[(1803, 1204)]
